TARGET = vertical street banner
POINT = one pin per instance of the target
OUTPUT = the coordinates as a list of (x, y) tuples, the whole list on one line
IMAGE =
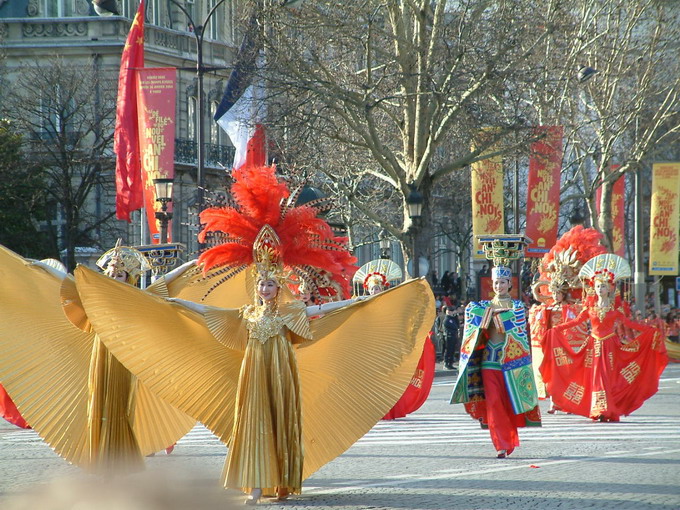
[(618, 212), (664, 219), (543, 193), (156, 99), (487, 199)]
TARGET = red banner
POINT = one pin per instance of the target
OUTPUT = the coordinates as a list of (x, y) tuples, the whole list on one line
[(156, 97), (543, 194), (129, 186), (618, 212)]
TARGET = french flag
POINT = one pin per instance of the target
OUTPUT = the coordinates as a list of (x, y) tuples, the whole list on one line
[(242, 106)]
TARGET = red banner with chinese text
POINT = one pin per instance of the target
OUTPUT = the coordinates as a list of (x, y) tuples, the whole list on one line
[(618, 212), (156, 98), (487, 199), (664, 219), (543, 193)]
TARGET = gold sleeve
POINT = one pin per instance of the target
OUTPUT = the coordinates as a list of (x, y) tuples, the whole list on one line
[(167, 346), (358, 365), (45, 361)]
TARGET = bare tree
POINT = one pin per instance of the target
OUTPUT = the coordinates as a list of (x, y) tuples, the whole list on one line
[(399, 87), (66, 112), (625, 105)]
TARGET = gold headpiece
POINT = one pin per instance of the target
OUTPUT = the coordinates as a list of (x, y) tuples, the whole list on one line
[(605, 267), (564, 268), (383, 272), (266, 256), (125, 258)]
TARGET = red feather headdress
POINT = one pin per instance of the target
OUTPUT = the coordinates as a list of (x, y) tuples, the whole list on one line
[(306, 248), (561, 265)]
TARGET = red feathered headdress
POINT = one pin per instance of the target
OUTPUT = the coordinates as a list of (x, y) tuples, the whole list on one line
[(306, 245), (561, 265)]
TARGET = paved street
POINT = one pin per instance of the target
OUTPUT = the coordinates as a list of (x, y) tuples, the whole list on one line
[(437, 458)]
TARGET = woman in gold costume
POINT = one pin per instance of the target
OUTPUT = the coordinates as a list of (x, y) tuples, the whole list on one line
[(71, 390), (286, 393)]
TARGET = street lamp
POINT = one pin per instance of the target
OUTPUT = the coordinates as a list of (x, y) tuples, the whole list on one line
[(414, 201), (576, 217), (385, 244), (198, 31), (164, 196)]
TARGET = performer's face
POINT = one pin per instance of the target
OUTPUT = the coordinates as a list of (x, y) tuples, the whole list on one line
[(267, 289), (602, 288), (375, 289), (558, 296), (501, 286), (116, 273), (305, 296)]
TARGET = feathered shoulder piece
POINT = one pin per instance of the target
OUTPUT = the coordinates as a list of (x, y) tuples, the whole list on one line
[(306, 247)]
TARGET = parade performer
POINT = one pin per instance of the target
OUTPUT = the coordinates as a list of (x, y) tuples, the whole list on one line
[(375, 277), (495, 380), (615, 371), (559, 270), (68, 387), (286, 393)]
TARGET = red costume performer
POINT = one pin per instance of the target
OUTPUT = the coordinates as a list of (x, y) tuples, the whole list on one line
[(559, 293), (374, 277), (614, 372)]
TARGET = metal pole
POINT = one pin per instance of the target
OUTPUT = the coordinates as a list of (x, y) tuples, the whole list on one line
[(515, 206), (640, 285), (200, 171)]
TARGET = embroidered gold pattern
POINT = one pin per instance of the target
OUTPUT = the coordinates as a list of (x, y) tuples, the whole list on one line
[(588, 359), (262, 322), (599, 401), (561, 357), (631, 371), (574, 392)]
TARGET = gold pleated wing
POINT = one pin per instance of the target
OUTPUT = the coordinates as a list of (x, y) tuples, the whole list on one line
[(44, 364), (44, 359), (168, 346), (188, 282), (354, 370), (361, 362)]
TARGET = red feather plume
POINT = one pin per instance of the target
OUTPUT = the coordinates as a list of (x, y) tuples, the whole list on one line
[(308, 247)]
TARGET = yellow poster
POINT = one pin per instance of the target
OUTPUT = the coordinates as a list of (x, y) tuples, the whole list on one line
[(487, 200), (664, 219)]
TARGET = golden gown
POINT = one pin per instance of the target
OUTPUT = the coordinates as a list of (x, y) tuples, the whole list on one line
[(68, 387), (212, 366)]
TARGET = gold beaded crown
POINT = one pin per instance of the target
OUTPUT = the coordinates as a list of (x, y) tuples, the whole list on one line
[(126, 258), (266, 257), (605, 267)]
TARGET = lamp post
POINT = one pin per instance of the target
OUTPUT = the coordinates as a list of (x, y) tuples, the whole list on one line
[(414, 201), (576, 217), (164, 196), (385, 244), (198, 31)]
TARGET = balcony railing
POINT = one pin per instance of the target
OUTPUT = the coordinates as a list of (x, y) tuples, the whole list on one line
[(216, 156)]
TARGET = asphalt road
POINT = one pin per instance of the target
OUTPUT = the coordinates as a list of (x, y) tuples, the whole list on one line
[(436, 458)]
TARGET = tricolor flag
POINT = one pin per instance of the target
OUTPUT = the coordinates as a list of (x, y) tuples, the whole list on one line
[(239, 112), (129, 185)]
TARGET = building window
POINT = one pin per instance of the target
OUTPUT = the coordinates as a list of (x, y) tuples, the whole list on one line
[(191, 119), (54, 8), (215, 130), (214, 20)]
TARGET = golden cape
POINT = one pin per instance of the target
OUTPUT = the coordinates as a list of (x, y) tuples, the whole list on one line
[(357, 365), (45, 364)]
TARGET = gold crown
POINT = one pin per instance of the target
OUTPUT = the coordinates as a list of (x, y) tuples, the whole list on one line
[(266, 257)]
